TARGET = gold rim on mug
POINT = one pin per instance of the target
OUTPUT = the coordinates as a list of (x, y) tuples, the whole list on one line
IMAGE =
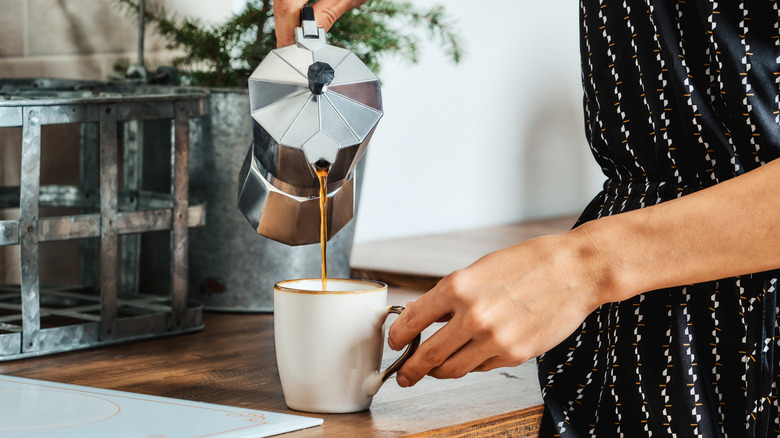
[(376, 286)]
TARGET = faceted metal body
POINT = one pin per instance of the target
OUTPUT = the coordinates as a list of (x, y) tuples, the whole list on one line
[(232, 268), (310, 102)]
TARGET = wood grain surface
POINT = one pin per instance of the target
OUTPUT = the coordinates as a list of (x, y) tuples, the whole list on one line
[(232, 362)]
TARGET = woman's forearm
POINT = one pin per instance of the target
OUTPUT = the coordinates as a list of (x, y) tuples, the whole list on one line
[(518, 302), (729, 229)]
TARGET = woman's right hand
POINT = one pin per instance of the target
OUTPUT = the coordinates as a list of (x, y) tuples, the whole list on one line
[(287, 16)]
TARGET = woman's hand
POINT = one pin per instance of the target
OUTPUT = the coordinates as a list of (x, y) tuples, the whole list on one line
[(508, 307), (519, 302), (287, 16)]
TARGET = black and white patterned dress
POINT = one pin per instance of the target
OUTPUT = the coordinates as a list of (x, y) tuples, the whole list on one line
[(679, 95)]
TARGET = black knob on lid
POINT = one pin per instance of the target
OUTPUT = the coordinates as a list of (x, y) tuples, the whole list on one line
[(320, 74)]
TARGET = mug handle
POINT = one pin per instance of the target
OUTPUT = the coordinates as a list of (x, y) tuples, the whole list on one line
[(375, 381), (392, 369)]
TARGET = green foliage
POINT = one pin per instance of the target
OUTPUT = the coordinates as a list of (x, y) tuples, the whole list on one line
[(225, 55)]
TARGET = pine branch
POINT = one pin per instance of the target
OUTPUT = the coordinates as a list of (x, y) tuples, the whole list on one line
[(437, 25)]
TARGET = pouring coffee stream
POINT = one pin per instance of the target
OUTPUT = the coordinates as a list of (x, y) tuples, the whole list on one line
[(314, 109), (322, 167)]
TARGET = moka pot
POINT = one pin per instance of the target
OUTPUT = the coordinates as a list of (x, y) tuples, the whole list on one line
[(312, 104)]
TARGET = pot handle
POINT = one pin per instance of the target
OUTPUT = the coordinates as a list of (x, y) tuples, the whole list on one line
[(309, 22)]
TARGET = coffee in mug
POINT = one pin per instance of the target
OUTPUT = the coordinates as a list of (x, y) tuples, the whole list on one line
[(329, 343)]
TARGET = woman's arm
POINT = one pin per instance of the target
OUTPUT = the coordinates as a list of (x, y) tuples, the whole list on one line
[(517, 303), (732, 228)]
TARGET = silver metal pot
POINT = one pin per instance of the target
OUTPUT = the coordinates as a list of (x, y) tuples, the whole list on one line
[(231, 267), (312, 104)]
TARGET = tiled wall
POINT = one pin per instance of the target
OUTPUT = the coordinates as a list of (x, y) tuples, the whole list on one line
[(81, 39)]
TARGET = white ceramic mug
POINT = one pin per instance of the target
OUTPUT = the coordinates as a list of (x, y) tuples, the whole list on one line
[(329, 343)]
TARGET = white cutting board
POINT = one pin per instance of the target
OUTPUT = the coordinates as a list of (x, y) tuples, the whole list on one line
[(39, 409)]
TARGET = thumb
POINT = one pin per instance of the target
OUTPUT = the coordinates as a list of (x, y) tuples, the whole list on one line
[(433, 306)]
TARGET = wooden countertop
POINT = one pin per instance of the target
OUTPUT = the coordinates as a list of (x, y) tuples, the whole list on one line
[(232, 360)]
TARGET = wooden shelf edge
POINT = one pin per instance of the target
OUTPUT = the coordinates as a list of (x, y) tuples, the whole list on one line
[(524, 423)]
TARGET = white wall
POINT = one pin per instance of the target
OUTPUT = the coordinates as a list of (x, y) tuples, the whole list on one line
[(494, 140)]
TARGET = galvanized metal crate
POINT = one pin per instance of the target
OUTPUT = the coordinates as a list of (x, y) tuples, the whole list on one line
[(36, 319)]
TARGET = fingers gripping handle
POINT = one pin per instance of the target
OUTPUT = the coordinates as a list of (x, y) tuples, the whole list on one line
[(375, 381), (392, 369)]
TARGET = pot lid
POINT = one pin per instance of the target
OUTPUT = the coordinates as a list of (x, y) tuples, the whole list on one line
[(315, 96)]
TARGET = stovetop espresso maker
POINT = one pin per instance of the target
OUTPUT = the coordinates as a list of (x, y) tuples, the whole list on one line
[(312, 105)]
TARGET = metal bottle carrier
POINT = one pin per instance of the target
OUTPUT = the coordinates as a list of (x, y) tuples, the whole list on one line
[(36, 319)]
